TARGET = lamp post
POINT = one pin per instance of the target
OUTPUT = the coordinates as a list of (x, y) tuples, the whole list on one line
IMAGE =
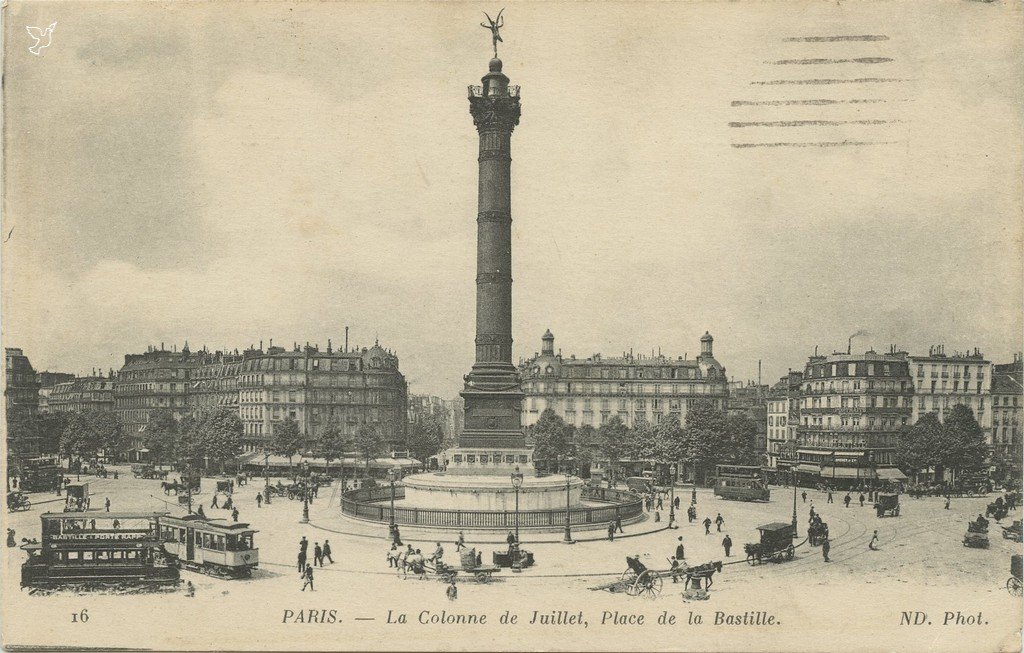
[(517, 482), (266, 477), (568, 530), (672, 496), (391, 477), (305, 492)]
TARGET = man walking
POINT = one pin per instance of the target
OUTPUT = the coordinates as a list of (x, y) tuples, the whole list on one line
[(871, 544), (318, 555), (707, 526), (847, 499), (106, 504), (302, 560), (826, 545), (327, 553), (234, 514), (611, 531), (460, 543), (438, 554), (861, 499), (829, 496), (804, 495), (718, 522), (259, 500), (214, 504), (680, 550), (308, 579), (947, 502), (727, 544), (618, 524)]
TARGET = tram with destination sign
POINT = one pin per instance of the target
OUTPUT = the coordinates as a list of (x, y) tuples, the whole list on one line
[(741, 483), (97, 549), (215, 547)]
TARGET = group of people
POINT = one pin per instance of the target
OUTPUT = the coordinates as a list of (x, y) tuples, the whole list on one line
[(229, 504), (320, 553)]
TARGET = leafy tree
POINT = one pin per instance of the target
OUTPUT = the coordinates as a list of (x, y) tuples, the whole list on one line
[(669, 444), (705, 436), (221, 435), (552, 438), (742, 446), (640, 442), (917, 445), (369, 442), (286, 439), (963, 442), (189, 447), (613, 443), (332, 443), (584, 447), (84, 434), (161, 436), (425, 437), (49, 428)]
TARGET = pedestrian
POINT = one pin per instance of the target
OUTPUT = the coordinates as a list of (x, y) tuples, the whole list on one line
[(657, 516), (675, 502), (213, 504), (675, 569), (847, 499), (719, 521), (327, 553), (804, 495), (829, 496), (106, 504), (460, 543), (308, 579), (871, 544), (438, 554), (115, 474), (618, 524), (190, 589), (727, 544), (302, 560), (611, 531), (259, 500), (680, 550), (396, 536), (660, 505), (318, 555), (947, 502), (403, 562), (826, 545), (304, 544), (861, 499), (452, 592), (392, 555), (200, 512), (234, 514), (116, 524), (707, 526), (693, 495)]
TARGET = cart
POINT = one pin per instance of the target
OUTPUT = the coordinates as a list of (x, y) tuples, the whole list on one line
[(888, 505), (449, 573), (1014, 583), (225, 486), (776, 544), (817, 533), (636, 580), (1012, 532), (77, 497), (17, 501), (977, 534)]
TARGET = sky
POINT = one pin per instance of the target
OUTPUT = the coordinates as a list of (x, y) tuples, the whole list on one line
[(226, 173)]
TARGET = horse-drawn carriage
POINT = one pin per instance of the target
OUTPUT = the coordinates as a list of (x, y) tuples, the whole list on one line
[(997, 510), (817, 533), (145, 470), (468, 563), (1013, 531), (17, 501), (888, 505), (225, 486), (776, 544), (76, 497), (636, 580), (1015, 584), (977, 534)]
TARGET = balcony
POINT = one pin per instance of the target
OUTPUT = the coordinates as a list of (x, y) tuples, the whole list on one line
[(478, 91)]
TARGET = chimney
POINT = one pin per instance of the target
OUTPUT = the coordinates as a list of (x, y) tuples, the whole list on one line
[(346, 340)]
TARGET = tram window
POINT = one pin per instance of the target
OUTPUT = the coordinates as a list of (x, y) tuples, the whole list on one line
[(72, 555), (131, 555), (219, 543), (103, 555), (181, 535), (87, 555), (117, 555)]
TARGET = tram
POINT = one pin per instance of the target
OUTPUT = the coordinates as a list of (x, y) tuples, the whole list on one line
[(40, 474), (215, 547), (98, 549), (740, 483)]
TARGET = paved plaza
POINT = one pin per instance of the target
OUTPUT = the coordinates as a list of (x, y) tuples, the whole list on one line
[(918, 552)]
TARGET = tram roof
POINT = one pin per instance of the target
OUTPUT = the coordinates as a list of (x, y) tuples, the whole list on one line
[(101, 515), (218, 524)]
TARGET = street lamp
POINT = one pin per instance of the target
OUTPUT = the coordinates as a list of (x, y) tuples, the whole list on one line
[(305, 492), (568, 531), (266, 478), (517, 482), (672, 496), (391, 477)]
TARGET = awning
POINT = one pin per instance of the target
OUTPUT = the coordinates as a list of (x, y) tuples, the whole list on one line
[(808, 469), (846, 472), (891, 474)]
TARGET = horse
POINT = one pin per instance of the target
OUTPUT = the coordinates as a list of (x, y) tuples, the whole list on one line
[(168, 486)]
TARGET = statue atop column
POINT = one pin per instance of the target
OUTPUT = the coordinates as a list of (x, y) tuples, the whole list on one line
[(494, 26)]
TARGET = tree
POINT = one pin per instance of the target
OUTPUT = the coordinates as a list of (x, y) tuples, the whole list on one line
[(668, 444), (161, 435), (640, 443), (286, 439), (369, 442), (425, 437), (332, 444), (705, 437), (917, 445), (612, 440), (741, 446), (584, 448), (963, 442), (189, 448), (552, 439), (221, 435), (49, 428), (86, 433)]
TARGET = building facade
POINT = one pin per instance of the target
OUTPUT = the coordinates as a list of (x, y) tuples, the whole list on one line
[(1008, 415), (783, 418), (21, 400), (82, 395), (157, 380), (852, 407), (942, 381), (47, 380), (634, 388)]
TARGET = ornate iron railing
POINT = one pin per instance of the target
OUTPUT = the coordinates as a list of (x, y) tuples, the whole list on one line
[(374, 504)]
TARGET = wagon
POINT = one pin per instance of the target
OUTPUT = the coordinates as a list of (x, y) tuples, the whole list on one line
[(637, 580), (977, 534), (1013, 532), (776, 544), (449, 573), (1014, 582), (888, 505)]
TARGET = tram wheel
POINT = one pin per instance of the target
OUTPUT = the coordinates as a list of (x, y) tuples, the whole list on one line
[(1013, 586)]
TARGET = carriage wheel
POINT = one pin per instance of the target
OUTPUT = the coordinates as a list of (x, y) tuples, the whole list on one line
[(628, 576), (790, 552), (649, 584), (483, 577), (1013, 586)]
